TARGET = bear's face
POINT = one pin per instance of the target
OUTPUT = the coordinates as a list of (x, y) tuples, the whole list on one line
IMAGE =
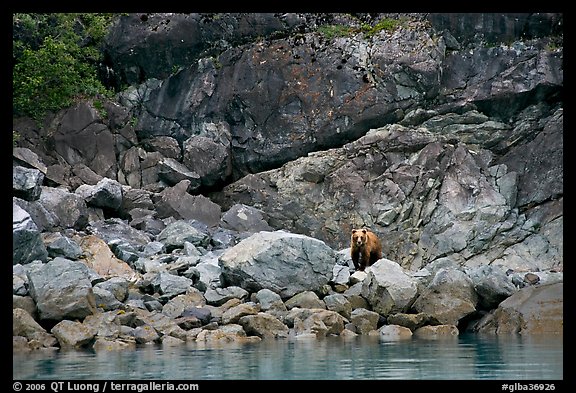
[(359, 237)]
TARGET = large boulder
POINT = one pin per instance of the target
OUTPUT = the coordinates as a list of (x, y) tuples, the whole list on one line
[(449, 297), (388, 288), (59, 209), (27, 183), (283, 262), (62, 289), (107, 194), (27, 244), (531, 310)]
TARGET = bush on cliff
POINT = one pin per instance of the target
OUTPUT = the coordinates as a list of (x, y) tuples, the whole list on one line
[(55, 59)]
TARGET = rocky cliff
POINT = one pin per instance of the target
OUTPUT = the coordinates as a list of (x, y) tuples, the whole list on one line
[(442, 133)]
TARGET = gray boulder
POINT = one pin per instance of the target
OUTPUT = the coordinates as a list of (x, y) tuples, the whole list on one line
[(172, 172), (449, 297), (209, 272), (24, 325), (27, 158), (242, 218), (534, 310), (219, 296), (283, 262), (60, 209), (178, 203), (27, 244), (63, 246), (107, 194), (177, 233), (26, 183), (306, 299), (269, 300), (168, 284), (82, 138), (62, 289), (73, 334), (492, 285), (388, 289), (263, 325), (208, 158)]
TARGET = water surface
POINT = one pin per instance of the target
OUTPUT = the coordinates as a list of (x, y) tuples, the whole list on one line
[(467, 357)]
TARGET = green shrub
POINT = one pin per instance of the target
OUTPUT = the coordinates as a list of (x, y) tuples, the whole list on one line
[(333, 31), (55, 60)]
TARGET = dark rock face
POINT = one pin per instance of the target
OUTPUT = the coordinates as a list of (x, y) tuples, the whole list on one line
[(493, 27), (143, 46), (274, 101)]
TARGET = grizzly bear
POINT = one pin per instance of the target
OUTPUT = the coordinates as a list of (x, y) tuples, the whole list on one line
[(365, 248)]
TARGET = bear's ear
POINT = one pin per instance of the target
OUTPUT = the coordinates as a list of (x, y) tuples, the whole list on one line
[(353, 230), (364, 231)]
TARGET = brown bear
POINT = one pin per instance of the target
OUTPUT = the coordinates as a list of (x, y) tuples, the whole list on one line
[(365, 248)]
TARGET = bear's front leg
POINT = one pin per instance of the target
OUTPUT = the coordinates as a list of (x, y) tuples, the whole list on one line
[(355, 258)]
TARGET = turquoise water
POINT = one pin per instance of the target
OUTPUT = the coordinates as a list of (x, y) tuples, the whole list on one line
[(466, 357)]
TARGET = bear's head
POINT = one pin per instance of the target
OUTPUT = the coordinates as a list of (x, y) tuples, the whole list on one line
[(359, 237)]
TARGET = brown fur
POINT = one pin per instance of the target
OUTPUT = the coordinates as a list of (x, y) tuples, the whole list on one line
[(365, 248)]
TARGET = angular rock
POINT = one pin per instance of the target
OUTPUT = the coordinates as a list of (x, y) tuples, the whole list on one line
[(410, 321), (176, 306), (145, 334), (178, 203), (209, 271), (269, 300), (219, 296), (106, 344), (172, 172), (62, 209), (105, 299), (393, 332), (209, 159), (81, 138), (319, 322), (27, 158), (531, 310), (233, 314), (114, 228), (27, 244), (73, 334), (338, 303), (242, 218), (306, 299), (170, 285), (388, 289), (449, 297), (437, 332), (364, 320), (24, 325), (107, 194), (165, 145), (492, 285), (26, 183), (263, 325), (100, 259), (63, 246), (62, 289), (176, 234), (283, 262)]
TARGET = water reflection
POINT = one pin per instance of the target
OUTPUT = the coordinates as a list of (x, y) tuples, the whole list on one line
[(465, 357)]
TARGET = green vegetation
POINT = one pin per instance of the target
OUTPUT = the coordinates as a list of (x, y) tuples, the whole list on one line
[(333, 31), (387, 24), (55, 59)]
